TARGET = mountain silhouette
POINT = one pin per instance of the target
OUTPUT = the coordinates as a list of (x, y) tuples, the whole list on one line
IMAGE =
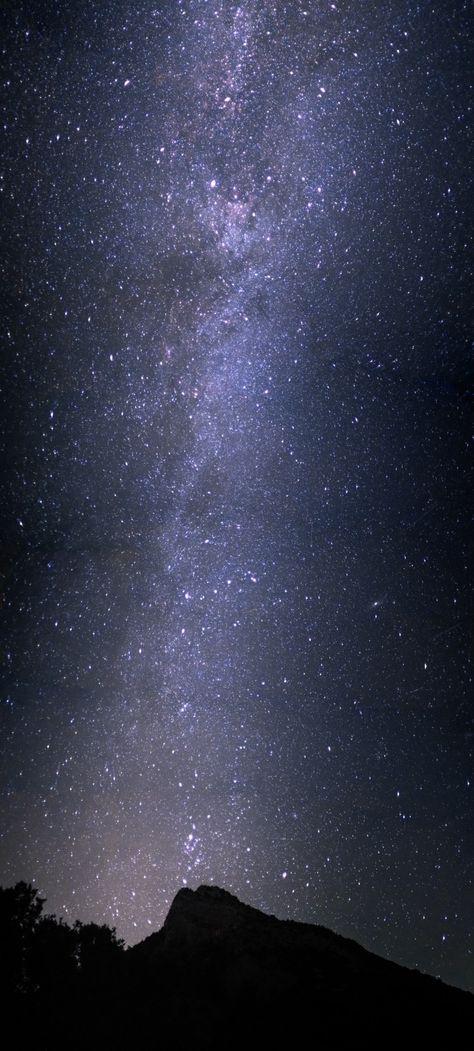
[(233, 969), (221, 974)]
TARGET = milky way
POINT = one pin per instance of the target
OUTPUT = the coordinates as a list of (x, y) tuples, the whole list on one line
[(234, 517)]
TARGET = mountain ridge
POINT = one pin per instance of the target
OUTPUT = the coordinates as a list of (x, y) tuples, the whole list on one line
[(218, 971), (230, 967), (230, 906)]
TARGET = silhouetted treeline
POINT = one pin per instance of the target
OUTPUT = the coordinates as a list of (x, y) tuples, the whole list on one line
[(40, 954)]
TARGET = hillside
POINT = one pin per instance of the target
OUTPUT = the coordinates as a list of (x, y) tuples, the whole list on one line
[(219, 974)]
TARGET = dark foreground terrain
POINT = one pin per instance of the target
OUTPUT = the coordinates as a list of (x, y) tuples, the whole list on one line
[(219, 974)]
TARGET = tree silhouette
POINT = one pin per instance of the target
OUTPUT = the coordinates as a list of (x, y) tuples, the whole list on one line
[(20, 911), (98, 952), (52, 958)]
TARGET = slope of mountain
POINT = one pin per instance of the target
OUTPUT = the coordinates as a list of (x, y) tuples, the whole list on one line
[(226, 968)]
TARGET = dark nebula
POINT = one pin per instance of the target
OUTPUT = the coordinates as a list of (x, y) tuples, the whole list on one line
[(234, 513)]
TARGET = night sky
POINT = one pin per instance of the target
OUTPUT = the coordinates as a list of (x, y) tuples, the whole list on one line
[(235, 422)]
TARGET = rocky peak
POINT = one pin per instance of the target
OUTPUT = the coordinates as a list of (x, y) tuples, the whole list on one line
[(208, 913)]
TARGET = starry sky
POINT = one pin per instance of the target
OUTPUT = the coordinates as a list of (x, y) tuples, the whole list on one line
[(235, 423)]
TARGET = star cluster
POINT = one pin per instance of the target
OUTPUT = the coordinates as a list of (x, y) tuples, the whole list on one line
[(235, 528)]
